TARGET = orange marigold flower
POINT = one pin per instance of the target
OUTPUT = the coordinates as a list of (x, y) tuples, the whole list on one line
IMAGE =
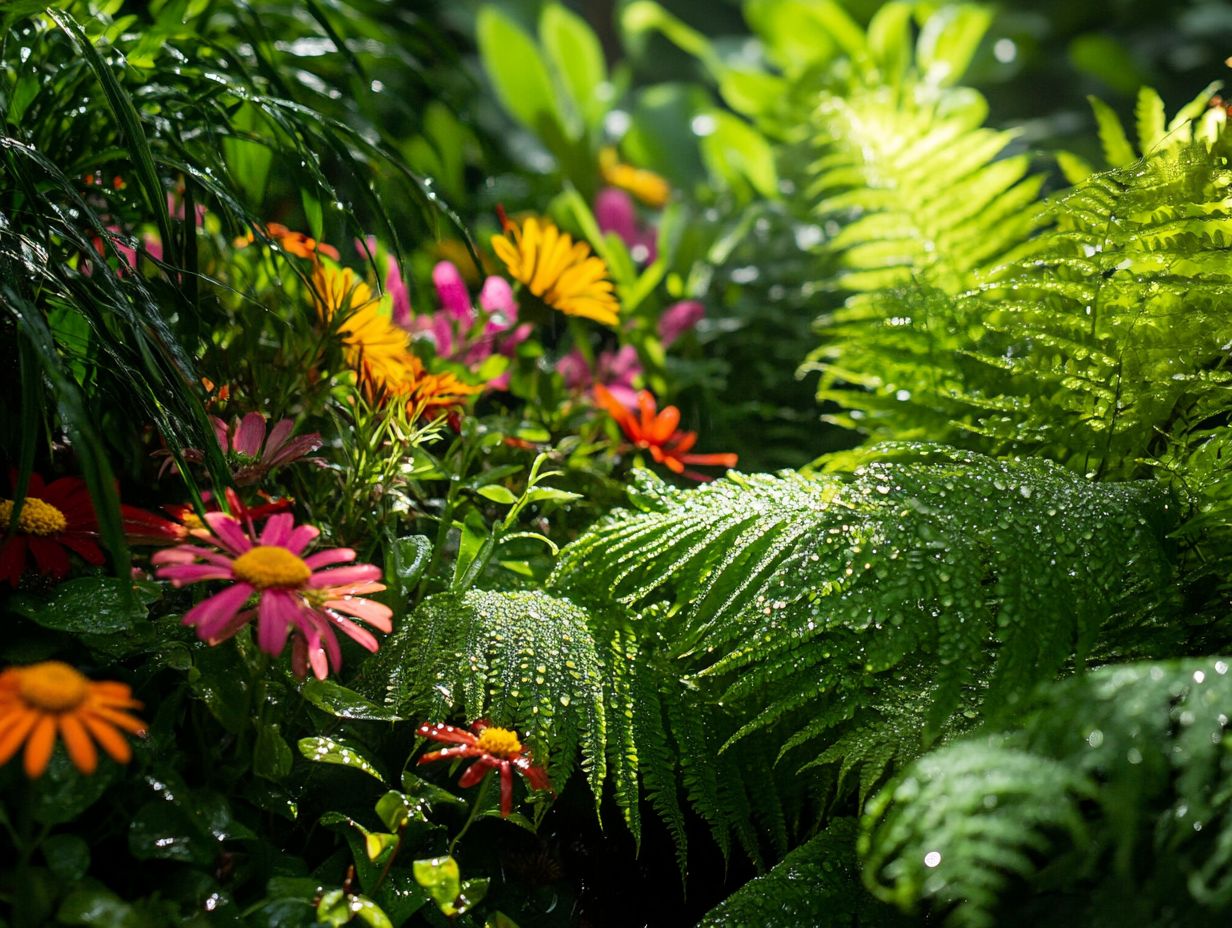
[(647, 186), (292, 242), (38, 700), (557, 270), (494, 749), (659, 433)]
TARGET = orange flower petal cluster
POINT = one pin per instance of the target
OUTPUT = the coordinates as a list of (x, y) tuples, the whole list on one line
[(647, 186), (292, 242), (39, 701), (660, 433)]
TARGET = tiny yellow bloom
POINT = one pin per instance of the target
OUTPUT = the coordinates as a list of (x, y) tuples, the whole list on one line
[(561, 272), (647, 186)]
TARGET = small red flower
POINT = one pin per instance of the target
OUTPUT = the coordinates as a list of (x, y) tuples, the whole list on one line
[(659, 433), (494, 749)]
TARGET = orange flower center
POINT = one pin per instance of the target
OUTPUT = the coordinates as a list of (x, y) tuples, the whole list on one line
[(271, 567), (52, 686), (37, 517), (500, 742)]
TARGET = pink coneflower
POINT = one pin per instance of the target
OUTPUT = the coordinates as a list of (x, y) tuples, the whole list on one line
[(294, 596), (615, 370), (252, 453)]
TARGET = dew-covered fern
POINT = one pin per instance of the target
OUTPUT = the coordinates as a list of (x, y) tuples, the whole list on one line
[(1109, 802), (526, 660), (864, 610)]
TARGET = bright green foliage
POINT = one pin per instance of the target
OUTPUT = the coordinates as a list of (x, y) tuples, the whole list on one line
[(817, 884), (522, 660), (815, 608), (1116, 785)]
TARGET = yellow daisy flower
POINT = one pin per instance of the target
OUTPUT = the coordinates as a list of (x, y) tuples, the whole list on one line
[(374, 347), (561, 272), (647, 186)]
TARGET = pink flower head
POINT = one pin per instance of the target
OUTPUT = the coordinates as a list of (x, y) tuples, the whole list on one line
[(615, 212), (615, 370), (252, 454), (461, 333), (678, 319), (294, 596)]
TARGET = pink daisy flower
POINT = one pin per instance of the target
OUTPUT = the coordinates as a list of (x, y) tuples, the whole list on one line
[(294, 596)]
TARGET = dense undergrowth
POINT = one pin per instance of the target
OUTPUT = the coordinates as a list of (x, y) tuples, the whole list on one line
[(368, 557)]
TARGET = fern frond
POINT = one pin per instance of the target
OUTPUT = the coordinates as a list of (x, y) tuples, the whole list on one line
[(817, 885), (786, 595), (525, 660), (1112, 780)]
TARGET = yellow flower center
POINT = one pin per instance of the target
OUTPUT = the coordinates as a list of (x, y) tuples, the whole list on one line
[(500, 742), (37, 517), (52, 686), (271, 567)]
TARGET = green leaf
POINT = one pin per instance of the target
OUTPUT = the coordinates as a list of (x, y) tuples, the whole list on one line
[(1151, 118), (271, 755), (396, 809), (442, 879), (736, 153), (323, 750), (498, 494), (63, 793), (344, 703), (517, 71), (68, 856), (1117, 149), (577, 57), (949, 39), (98, 908), (90, 605), (337, 909), (409, 557)]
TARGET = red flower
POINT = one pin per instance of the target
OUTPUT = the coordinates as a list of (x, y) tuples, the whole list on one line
[(659, 433), (494, 748), (56, 518)]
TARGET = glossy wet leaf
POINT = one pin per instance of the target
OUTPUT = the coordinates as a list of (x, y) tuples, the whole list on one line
[(330, 751), (68, 856), (90, 605), (271, 755), (442, 879), (344, 703)]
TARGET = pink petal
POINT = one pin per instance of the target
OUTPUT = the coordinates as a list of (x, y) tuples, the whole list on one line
[(496, 298), (624, 365), (231, 536), (574, 369), (615, 213), (275, 611), (212, 614), (452, 291), (277, 437), (277, 529), (301, 538), (341, 576), (222, 433), (396, 286), (357, 633), (678, 319), (330, 556), (250, 435), (378, 615), (296, 448), (179, 574)]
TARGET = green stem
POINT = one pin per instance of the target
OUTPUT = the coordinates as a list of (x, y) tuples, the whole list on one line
[(581, 339), (479, 797)]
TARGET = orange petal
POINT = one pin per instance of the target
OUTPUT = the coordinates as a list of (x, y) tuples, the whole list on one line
[(80, 747), (13, 731), (38, 748), (119, 719), (111, 740)]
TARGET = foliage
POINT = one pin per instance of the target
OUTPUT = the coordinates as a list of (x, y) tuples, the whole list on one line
[(1112, 785)]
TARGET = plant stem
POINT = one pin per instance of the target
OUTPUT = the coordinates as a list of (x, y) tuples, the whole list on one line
[(479, 797)]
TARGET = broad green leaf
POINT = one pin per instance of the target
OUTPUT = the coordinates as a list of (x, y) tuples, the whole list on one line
[(498, 494), (948, 40), (271, 755), (68, 856), (407, 560), (736, 152), (329, 751), (337, 909), (344, 703), (396, 809), (889, 41), (90, 605), (577, 57), (517, 71), (442, 879)]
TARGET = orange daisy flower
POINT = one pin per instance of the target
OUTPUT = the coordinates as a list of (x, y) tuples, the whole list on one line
[(647, 186), (38, 700), (659, 433), (557, 270), (493, 749), (292, 242)]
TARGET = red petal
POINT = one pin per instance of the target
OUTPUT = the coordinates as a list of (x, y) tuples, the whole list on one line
[(448, 734)]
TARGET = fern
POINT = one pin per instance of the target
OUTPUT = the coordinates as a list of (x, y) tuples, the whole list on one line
[(525, 660), (1116, 782), (817, 884), (801, 604)]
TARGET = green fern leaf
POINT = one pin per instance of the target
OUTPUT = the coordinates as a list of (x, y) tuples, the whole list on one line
[(524, 660), (1112, 781)]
